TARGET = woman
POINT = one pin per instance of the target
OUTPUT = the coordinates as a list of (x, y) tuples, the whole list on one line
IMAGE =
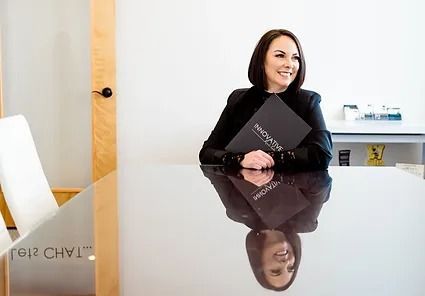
[(277, 66)]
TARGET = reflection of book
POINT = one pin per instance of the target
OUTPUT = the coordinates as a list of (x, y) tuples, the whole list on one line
[(274, 127), (274, 202)]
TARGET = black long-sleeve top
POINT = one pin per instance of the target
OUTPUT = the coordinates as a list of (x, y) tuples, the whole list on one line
[(314, 152)]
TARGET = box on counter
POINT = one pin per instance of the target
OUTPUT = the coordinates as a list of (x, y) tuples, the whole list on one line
[(371, 112)]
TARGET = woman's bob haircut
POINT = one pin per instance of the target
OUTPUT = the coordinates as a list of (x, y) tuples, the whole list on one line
[(256, 73)]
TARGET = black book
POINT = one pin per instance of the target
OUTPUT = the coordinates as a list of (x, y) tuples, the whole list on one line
[(274, 127), (274, 202)]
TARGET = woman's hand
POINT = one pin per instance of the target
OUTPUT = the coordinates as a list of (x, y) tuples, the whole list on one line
[(256, 177), (258, 160)]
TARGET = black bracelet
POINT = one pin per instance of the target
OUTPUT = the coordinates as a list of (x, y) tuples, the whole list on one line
[(283, 156), (232, 159)]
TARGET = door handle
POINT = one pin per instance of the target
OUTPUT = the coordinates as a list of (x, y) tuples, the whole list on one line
[(106, 92)]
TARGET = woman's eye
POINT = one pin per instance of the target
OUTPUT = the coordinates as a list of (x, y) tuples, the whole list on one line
[(280, 55), (296, 59), (276, 272), (291, 268)]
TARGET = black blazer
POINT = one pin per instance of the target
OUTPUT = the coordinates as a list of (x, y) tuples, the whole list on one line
[(314, 152)]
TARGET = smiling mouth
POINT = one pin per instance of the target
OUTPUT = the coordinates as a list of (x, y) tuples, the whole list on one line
[(282, 253), (284, 74)]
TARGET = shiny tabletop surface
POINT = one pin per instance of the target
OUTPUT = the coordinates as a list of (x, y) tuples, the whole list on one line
[(176, 238), (186, 230)]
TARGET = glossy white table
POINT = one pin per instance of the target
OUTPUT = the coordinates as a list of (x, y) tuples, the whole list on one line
[(369, 239), (175, 238)]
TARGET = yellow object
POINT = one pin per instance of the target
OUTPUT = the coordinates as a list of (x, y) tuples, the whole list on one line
[(375, 155)]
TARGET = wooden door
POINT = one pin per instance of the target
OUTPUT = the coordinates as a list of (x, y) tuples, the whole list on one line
[(103, 76), (104, 146)]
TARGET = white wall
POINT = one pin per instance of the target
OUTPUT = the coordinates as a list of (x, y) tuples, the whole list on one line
[(46, 73), (179, 60)]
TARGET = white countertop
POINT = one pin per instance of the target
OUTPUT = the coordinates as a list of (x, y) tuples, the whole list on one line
[(375, 127)]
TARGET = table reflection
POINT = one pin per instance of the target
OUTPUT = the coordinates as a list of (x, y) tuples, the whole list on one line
[(276, 206), (57, 257), (65, 254)]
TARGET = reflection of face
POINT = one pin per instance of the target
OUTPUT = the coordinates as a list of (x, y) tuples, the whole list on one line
[(281, 63), (277, 258)]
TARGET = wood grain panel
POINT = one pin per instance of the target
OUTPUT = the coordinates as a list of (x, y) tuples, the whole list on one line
[(103, 75), (104, 147), (4, 276), (106, 236)]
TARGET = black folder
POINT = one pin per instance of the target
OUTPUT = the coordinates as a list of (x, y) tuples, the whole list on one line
[(274, 202), (274, 127)]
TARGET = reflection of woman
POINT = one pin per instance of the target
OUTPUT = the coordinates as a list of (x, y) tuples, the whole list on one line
[(277, 66), (274, 256), (274, 252)]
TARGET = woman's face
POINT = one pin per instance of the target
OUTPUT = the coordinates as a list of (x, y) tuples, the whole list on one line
[(277, 258), (281, 64)]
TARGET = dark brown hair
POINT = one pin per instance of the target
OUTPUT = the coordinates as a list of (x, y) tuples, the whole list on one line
[(254, 247), (256, 73)]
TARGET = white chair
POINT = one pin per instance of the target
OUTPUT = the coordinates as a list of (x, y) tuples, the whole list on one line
[(25, 187)]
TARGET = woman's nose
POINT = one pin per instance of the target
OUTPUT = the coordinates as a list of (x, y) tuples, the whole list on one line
[(287, 63)]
